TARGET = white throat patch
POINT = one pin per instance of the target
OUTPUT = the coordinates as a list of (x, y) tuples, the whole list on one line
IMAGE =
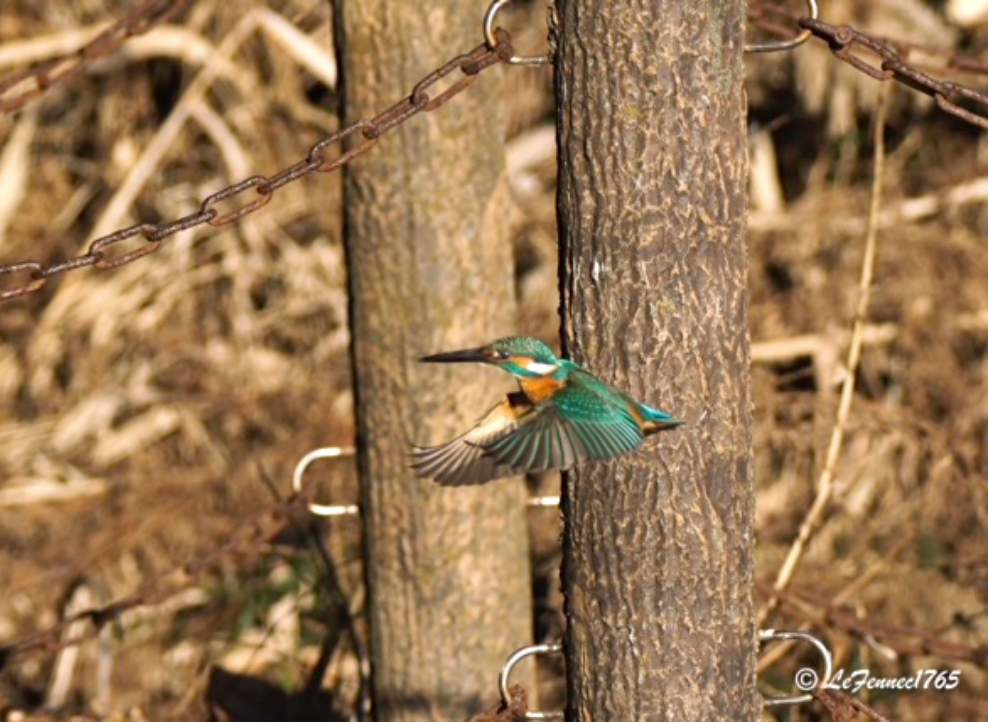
[(541, 369)]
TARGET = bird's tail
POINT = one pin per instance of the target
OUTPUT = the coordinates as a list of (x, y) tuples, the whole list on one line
[(656, 420)]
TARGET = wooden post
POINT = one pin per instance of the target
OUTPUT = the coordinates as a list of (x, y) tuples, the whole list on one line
[(431, 269), (658, 545)]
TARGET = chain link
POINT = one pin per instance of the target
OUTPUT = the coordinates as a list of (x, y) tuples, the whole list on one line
[(257, 191)]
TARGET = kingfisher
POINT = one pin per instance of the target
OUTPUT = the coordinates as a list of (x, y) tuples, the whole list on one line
[(560, 416)]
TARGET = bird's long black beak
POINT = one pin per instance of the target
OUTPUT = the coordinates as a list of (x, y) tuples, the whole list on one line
[(470, 355)]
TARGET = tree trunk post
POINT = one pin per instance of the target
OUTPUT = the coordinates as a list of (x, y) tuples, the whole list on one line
[(657, 558), (430, 269)]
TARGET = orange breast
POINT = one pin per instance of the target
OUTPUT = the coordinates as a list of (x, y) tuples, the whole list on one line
[(538, 390)]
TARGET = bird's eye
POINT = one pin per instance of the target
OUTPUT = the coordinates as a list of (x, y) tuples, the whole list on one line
[(503, 355)]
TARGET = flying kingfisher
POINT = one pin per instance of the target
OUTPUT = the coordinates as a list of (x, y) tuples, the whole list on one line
[(562, 415)]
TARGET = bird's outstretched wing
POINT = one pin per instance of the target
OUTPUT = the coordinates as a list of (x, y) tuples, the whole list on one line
[(464, 460), (579, 422), (575, 425)]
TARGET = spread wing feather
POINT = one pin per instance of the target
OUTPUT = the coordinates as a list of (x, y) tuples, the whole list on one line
[(579, 422), (464, 461), (574, 427)]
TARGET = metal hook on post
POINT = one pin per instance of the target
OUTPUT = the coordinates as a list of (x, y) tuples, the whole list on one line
[(328, 452), (806, 678), (515, 658), (779, 45), (336, 452), (489, 16)]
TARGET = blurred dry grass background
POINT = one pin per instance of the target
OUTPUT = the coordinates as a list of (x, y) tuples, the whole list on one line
[(144, 412)]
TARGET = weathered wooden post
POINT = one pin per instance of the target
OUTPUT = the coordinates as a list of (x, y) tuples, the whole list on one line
[(658, 544), (430, 269)]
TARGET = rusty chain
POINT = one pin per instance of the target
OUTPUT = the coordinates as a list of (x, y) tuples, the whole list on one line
[(368, 132), (843, 41), (43, 76), (259, 531), (781, 21), (847, 43)]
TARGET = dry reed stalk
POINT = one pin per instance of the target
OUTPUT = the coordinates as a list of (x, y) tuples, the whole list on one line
[(14, 166), (825, 486)]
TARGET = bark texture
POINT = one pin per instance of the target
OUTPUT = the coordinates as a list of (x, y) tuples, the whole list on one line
[(657, 546), (430, 269)]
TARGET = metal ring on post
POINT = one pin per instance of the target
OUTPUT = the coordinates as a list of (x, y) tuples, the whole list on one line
[(491, 41), (329, 452), (502, 680), (778, 45), (771, 635)]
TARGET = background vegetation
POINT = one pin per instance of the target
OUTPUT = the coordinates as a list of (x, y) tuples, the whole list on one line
[(146, 412)]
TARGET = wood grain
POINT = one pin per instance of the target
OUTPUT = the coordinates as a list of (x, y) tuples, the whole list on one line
[(431, 269), (652, 204)]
